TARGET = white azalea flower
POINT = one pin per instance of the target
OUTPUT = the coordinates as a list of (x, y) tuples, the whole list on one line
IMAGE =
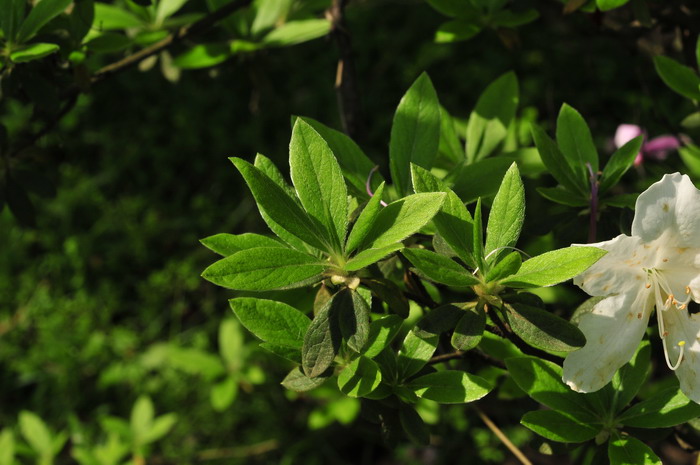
[(658, 266)]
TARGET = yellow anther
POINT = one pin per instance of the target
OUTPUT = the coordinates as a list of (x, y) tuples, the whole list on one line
[(681, 343), (648, 285), (682, 307), (687, 289)]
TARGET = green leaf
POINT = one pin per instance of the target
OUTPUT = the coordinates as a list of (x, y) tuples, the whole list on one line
[(605, 5), (388, 292), (31, 52), (167, 8), (228, 244), (224, 393), (381, 333), (359, 378), (160, 427), (293, 355), (413, 425), (41, 14), (363, 225), (297, 32), (355, 164), (231, 344), (576, 144), (619, 163), (541, 380), (450, 387), (493, 113), (370, 256), (469, 329), (7, 443), (507, 215), (110, 17), (453, 221), (542, 329), (631, 376), (554, 267), (450, 146), (457, 30), (264, 269), (353, 316), (563, 196), (558, 427), (142, 418), (319, 182), (108, 42), (480, 179), (628, 450), (416, 350), (11, 15), (439, 268), (36, 433), (509, 265), (402, 218), (478, 236), (415, 132), (679, 78), (670, 407), (282, 209), (322, 339), (273, 322), (203, 56), (297, 381), (556, 164)]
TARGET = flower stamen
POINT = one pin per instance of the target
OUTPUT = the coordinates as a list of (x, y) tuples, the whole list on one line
[(675, 366)]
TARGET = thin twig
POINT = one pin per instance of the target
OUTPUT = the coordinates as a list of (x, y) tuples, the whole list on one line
[(239, 452), (345, 81), (504, 439)]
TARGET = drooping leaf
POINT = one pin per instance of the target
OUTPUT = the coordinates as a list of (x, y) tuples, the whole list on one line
[(322, 339), (32, 52), (493, 113), (558, 427), (554, 267), (297, 381), (353, 316), (506, 216), (678, 77), (319, 182), (450, 387), (360, 377), (227, 244), (469, 329), (439, 268), (273, 322), (415, 132), (265, 268)]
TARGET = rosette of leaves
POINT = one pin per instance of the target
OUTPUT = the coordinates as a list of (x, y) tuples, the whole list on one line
[(605, 422), (490, 269)]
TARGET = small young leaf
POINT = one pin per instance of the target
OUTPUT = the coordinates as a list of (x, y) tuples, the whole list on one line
[(370, 256), (381, 333), (41, 14), (558, 427), (359, 378), (364, 223), (439, 268), (264, 269), (319, 181), (678, 77), (493, 113), (556, 164), (554, 267), (542, 329), (415, 132), (223, 394), (36, 433), (509, 265), (469, 329), (628, 450), (415, 352), (322, 339), (670, 407), (297, 381), (450, 387), (619, 163), (506, 216), (142, 418), (353, 316), (273, 322), (228, 244), (7, 443), (541, 380), (31, 52), (281, 208), (160, 427), (402, 218)]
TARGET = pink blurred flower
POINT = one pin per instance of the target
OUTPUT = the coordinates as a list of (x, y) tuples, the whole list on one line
[(657, 148)]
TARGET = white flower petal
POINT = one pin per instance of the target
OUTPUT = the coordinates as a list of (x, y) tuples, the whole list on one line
[(669, 208), (620, 270), (681, 326), (613, 331)]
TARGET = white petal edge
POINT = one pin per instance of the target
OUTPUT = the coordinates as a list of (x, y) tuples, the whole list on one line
[(669, 208), (613, 331), (682, 326)]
